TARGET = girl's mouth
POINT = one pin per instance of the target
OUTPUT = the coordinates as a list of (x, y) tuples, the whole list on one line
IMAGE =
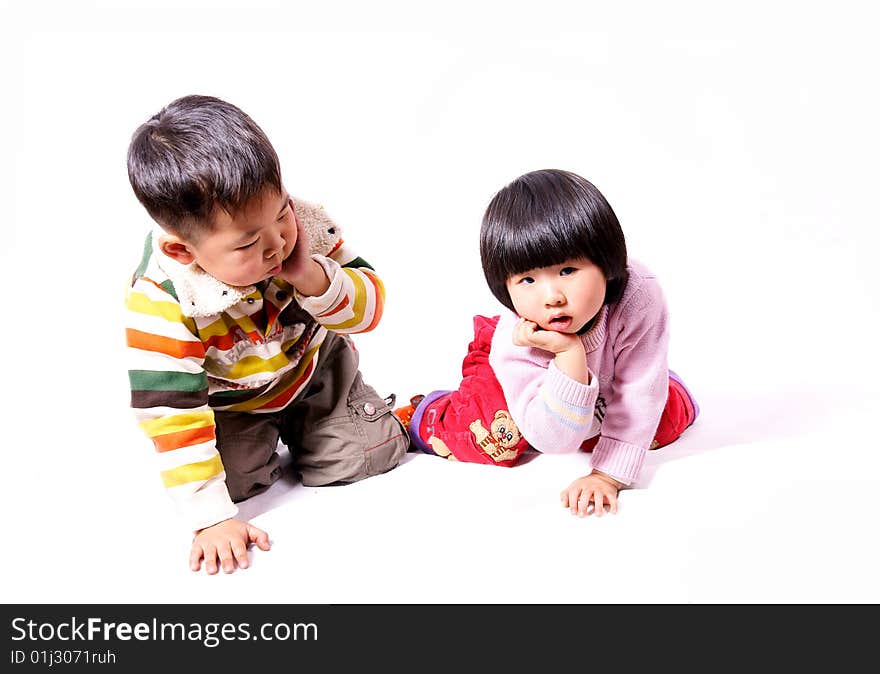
[(560, 323)]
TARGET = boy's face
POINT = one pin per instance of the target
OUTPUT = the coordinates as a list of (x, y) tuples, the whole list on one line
[(562, 297), (245, 247)]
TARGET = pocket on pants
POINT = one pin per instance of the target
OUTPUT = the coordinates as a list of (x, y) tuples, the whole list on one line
[(384, 438)]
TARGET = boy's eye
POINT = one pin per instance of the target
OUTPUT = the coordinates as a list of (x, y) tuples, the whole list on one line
[(565, 271), (248, 245)]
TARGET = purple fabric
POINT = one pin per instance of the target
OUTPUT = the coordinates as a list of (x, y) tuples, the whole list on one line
[(416, 420)]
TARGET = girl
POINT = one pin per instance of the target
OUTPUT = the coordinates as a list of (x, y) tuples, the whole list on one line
[(578, 361)]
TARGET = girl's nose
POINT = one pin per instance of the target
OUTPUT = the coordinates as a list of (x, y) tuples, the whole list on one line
[(553, 296)]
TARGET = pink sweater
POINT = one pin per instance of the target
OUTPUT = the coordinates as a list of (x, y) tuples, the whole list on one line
[(629, 380)]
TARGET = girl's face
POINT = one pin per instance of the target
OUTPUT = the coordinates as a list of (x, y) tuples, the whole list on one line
[(563, 297)]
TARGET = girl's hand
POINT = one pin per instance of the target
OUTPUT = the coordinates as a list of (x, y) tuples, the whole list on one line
[(527, 333), (596, 488), (570, 356)]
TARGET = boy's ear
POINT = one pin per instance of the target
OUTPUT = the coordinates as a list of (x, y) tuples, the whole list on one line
[(176, 248)]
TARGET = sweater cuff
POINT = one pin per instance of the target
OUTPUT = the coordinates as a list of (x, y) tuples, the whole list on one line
[(563, 387), (620, 460), (319, 304), (207, 506)]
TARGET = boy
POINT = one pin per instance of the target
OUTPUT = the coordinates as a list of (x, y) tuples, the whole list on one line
[(237, 323)]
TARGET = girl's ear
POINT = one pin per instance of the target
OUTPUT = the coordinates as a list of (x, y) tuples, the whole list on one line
[(176, 248)]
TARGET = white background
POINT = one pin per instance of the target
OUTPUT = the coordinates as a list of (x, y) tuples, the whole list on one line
[(739, 148)]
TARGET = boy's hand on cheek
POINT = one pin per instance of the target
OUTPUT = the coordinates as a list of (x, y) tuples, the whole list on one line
[(300, 270)]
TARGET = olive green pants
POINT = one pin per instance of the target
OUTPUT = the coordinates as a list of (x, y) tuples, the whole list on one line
[(338, 430)]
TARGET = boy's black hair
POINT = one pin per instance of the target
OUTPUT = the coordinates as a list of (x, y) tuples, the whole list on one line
[(195, 154), (544, 218)]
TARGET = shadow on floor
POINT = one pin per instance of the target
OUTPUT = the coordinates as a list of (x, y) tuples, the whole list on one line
[(728, 419)]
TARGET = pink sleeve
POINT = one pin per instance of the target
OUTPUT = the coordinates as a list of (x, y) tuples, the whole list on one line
[(641, 384), (554, 412)]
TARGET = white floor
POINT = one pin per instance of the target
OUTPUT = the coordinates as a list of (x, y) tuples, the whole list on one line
[(746, 507), (739, 152)]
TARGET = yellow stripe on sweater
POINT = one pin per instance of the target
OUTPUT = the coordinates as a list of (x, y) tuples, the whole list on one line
[(564, 412), (360, 302), (216, 328), (142, 304), (288, 379), (254, 364), (177, 422), (192, 472)]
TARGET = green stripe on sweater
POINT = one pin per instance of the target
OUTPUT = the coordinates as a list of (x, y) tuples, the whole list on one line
[(152, 380), (145, 258)]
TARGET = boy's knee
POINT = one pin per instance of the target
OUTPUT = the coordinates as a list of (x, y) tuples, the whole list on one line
[(387, 441), (371, 441), (243, 483)]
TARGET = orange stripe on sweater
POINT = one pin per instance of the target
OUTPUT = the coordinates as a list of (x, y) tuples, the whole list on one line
[(220, 342), (282, 398), (335, 248), (191, 436), (227, 339), (166, 345), (149, 280), (339, 307), (380, 301)]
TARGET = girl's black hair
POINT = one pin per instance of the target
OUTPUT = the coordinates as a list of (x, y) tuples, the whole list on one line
[(544, 218), (196, 153)]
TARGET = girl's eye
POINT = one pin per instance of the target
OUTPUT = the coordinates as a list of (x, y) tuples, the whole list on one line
[(565, 271), (246, 246), (527, 280)]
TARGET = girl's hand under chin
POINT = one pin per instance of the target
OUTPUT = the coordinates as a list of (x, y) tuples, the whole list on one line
[(568, 350), (527, 333)]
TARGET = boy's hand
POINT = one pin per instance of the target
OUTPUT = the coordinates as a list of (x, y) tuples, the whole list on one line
[(227, 541), (596, 488), (300, 270)]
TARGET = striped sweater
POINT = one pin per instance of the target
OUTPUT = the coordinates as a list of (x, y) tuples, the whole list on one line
[(196, 345)]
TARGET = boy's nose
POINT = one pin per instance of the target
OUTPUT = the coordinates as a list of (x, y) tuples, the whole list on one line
[(276, 245)]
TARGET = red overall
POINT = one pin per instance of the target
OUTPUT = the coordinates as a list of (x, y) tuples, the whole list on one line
[(472, 423)]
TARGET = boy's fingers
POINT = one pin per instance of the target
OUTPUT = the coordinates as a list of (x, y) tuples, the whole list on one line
[(239, 551), (210, 560), (195, 558), (258, 536), (226, 560)]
